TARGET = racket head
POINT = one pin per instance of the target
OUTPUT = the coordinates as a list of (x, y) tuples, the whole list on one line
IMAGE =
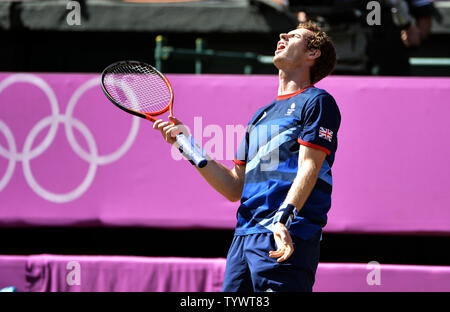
[(137, 88)]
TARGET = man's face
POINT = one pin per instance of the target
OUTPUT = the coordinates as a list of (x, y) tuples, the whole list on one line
[(291, 49)]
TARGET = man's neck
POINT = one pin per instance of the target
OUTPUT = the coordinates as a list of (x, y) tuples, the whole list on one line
[(293, 81)]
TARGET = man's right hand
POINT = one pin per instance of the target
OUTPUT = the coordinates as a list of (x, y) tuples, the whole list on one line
[(412, 36), (170, 129)]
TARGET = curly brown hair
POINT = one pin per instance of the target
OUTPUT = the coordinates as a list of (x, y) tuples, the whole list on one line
[(319, 40)]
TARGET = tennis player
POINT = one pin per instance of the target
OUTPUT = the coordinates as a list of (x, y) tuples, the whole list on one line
[(282, 172)]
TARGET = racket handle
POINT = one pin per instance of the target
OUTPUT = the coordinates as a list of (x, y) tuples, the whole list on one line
[(190, 149)]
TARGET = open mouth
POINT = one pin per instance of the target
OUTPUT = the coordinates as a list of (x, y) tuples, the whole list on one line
[(280, 47)]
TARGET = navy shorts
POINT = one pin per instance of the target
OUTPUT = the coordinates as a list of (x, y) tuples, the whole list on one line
[(250, 269)]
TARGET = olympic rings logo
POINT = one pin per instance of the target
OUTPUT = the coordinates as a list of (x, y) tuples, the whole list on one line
[(53, 121)]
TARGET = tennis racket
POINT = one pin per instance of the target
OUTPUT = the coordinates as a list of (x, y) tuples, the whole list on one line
[(141, 90)]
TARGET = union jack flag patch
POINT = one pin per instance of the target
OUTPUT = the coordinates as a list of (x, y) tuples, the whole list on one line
[(326, 134)]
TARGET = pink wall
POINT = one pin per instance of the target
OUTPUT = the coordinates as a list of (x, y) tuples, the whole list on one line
[(390, 173), (72, 273)]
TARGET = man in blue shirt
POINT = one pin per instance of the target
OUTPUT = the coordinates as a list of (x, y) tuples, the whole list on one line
[(282, 172)]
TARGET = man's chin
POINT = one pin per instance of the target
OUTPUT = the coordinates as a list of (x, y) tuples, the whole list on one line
[(277, 61)]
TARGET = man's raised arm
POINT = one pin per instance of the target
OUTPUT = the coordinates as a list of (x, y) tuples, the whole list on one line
[(228, 182)]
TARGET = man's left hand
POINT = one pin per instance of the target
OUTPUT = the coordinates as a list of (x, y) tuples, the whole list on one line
[(283, 239)]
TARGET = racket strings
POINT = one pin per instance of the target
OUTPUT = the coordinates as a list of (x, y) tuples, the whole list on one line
[(138, 87)]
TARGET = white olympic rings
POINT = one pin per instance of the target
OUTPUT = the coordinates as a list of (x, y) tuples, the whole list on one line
[(53, 121)]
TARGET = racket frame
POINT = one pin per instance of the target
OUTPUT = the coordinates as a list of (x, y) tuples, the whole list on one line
[(187, 145), (148, 116)]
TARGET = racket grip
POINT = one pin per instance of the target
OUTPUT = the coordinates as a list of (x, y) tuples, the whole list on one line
[(191, 150)]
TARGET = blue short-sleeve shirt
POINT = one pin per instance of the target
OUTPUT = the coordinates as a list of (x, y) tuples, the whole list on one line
[(269, 152)]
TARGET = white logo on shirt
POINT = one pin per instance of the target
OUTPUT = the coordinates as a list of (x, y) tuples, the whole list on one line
[(290, 110)]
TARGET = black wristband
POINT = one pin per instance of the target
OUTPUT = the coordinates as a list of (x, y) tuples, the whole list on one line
[(285, 214)]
